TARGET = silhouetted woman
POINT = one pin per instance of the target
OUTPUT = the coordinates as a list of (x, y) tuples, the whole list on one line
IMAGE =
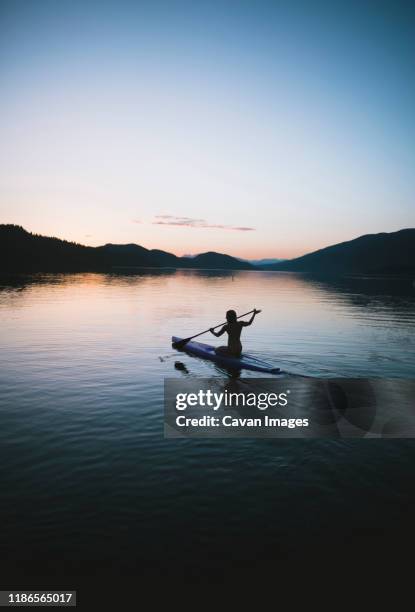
[(233, 328)]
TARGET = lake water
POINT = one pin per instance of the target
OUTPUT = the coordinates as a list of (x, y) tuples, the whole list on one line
[(86, 474)]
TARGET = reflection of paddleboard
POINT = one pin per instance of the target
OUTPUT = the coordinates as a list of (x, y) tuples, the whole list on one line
[(244, 362)]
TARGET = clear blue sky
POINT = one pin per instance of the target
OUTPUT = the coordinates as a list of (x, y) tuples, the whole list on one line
[(252, 128)]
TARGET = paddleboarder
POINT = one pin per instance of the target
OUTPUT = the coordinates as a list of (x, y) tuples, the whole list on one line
[(233, 328)]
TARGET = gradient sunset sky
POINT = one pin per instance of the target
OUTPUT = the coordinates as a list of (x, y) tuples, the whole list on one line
[(259, 129)]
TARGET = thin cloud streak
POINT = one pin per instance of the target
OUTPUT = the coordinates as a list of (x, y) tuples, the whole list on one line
[(196, 223)]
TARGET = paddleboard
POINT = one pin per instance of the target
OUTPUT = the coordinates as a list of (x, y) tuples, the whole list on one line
[(244, 362)]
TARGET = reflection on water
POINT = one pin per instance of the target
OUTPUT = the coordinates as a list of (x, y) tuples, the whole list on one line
[(82, 362), (308, 326)]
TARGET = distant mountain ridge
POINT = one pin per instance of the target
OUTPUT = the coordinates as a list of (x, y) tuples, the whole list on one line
[(264, 262), (383, 253), (21, 251)]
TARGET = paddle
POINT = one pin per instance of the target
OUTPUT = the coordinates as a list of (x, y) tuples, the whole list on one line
[(181, 343)]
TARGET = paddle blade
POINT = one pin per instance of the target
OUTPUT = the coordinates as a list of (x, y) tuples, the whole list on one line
[(180, 344)]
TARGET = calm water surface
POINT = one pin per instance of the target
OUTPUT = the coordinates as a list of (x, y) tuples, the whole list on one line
[(84, 466)]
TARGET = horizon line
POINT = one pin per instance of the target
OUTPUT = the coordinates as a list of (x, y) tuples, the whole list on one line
[(187, 255)]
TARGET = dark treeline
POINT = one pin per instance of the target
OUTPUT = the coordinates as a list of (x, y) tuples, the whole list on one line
[(385, 253), (21, 251)]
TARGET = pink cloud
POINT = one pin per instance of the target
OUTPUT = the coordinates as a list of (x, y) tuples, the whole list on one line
[(196, 223)]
